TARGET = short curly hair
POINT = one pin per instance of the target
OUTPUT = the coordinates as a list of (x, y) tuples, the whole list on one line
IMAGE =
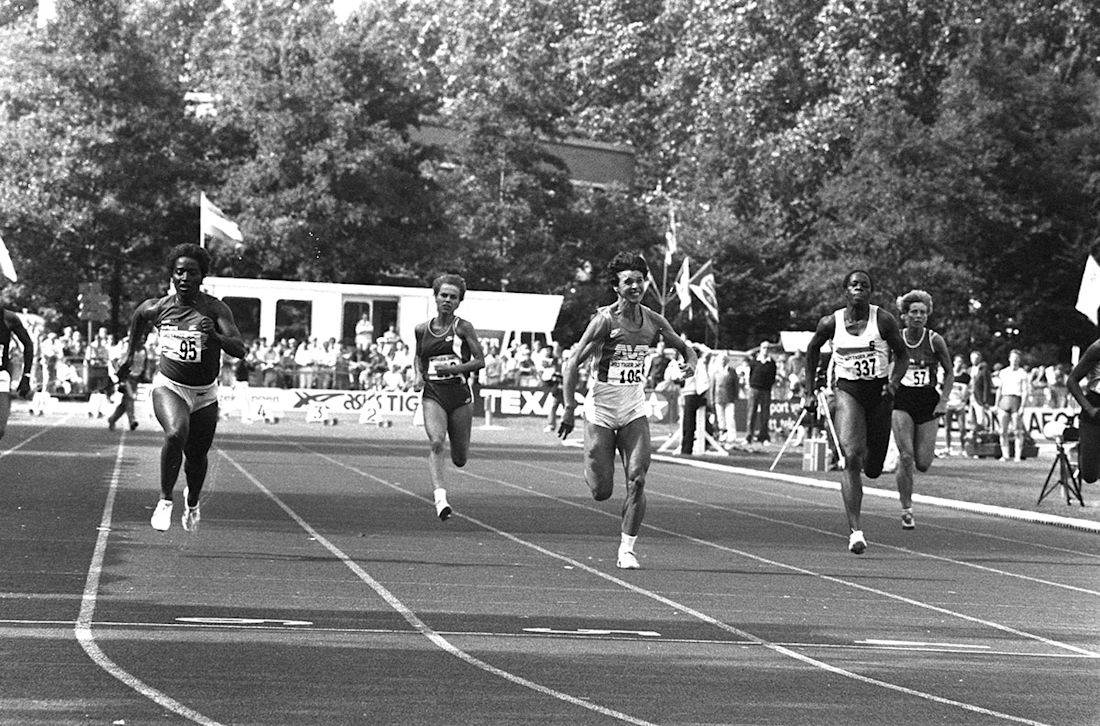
[(193, 251), (904, 301), (450, 279), (621, 263)]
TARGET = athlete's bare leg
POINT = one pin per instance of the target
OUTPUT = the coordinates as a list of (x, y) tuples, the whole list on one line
[(174, 416), (924, 444), (904, 435), (851, 428), (1089, 450), (203, 424), (599, 460), (5, 412), (459, 425), (435, 425), (633, 443)]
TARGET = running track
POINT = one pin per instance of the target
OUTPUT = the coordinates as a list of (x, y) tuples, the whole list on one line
[(320, 589)]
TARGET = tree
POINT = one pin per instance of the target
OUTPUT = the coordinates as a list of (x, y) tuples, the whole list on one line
[(93, 153), (309, 134)]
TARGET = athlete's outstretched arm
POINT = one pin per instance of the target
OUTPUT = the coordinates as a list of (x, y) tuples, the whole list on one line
[(469, 336), (943, 355), (597, 328), (224, 328), (15, 325), (418, 360), (888, 326), (825, 329), (674, 339)]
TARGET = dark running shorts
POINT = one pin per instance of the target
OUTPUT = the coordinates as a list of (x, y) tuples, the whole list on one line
[(876, 413), (867, 393), (450, 396), (919, 402)]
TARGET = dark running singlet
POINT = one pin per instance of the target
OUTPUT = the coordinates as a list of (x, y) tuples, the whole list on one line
[(917, 394), (5, 342), (186, 355), (924, 366), (444, 348)]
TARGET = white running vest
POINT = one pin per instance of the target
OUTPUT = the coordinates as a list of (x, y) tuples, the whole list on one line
[(862, 357)]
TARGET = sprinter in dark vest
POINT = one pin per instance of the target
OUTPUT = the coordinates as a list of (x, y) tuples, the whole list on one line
[(447, 352)]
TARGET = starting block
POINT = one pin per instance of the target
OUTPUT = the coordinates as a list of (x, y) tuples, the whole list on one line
[(320, 413), (266, 413), (374, 416), (98, 403), (42, 403)]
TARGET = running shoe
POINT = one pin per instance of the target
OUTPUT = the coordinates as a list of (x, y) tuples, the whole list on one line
[(162, 515), (857, 545), (627, 561), (907, 520), (191, 517), (442, 508)]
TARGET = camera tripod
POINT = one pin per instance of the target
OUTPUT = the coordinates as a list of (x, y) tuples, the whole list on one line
[(1067, 478)]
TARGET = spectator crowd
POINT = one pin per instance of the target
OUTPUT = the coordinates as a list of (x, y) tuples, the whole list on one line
[(68, 364)]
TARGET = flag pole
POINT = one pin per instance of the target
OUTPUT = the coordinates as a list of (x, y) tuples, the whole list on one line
[(202, 236), (664, 285)]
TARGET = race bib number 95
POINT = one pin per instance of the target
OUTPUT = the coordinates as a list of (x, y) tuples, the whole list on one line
[(185, 346)]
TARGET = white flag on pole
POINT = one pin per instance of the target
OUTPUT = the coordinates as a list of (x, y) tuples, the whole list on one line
[(6, 265), (672, 245), (683, 285), (1088, 297), (215, 224)]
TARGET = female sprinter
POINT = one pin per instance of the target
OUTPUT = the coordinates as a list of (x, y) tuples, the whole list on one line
[(193, 328), (447, 352), (918, 405)]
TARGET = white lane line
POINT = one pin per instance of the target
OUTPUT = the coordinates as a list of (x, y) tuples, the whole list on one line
[(84, 620), (802, 570), (721, 625), (419, 625), (906, 550), (62, 629), (32, 437), (919, 644), (987, 509), (878, 545)]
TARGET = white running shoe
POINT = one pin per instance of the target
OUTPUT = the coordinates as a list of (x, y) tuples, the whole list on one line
[(162, 515), (442, 508), (191, 517), (907, 521), (627, 561), (857, 545)]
